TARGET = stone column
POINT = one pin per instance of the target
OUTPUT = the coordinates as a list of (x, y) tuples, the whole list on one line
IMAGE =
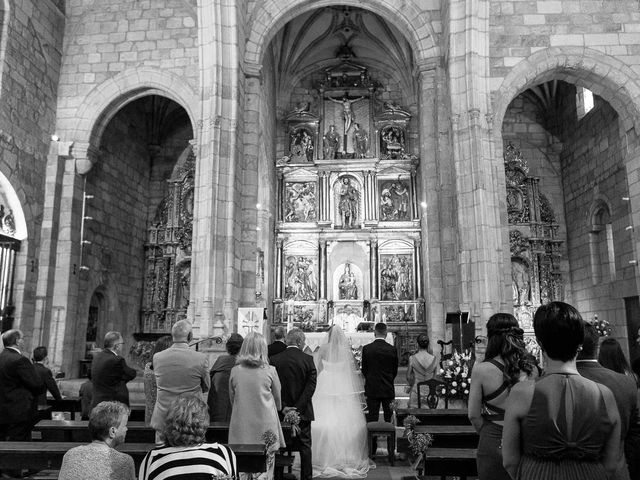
[(58, 278), (217, 180), (417, 269), (322, 262), (477, 197), (373, 262)]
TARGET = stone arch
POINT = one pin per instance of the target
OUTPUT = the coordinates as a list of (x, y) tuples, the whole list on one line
[(108, 98), (270, 17), (604, 75)]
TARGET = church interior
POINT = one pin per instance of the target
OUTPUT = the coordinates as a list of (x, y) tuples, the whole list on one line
[(250, 164)]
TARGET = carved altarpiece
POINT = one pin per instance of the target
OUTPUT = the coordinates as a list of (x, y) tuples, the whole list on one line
[(348, 231), (168, 252), (533, 241)]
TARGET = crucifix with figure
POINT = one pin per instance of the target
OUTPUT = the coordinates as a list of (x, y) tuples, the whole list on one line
[(347, 115)]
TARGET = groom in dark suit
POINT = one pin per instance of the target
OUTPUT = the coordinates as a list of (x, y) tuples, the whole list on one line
[(625, 394), (297, 374), (379, 367)]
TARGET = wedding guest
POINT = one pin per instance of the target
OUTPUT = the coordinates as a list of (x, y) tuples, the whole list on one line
[(254, 390), (108, 427), (422, 367), (40, 362), (562, 426), (149, 378), (278, 344), (179, 370), (86, 395), (110, 372), (612, 357), (219, 401), (20, 385), (625, 393), (491, 382), (187, 453)]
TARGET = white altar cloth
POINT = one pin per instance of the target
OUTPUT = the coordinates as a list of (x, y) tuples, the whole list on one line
[(357, 339)]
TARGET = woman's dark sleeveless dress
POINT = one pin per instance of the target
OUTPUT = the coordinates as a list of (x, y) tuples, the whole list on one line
[(489, 456), (566, 429)]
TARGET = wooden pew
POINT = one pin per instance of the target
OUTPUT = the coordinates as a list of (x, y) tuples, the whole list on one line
[(435, 416), (73, 406), (48, 455), (450, 462), (137, 432), (445, 436)]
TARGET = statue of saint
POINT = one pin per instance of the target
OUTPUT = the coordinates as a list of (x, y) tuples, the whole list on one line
[(360, 141), (348, 204), (347, 287), (347, 111), (330, 143)]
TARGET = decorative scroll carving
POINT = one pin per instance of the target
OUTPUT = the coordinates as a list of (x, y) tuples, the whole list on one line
[(301, 202)]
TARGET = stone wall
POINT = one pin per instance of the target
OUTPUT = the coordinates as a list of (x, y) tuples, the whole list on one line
[(30, 69), (593, 171)]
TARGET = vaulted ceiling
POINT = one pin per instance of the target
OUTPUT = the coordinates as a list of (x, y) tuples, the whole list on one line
[(319, 38)]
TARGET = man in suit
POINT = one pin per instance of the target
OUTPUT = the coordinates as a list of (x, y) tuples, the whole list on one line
[(110, 373), (20, 386), (40, 362), (278, 344), (298, 375), (178, 370), (379, 367), (625, 393)]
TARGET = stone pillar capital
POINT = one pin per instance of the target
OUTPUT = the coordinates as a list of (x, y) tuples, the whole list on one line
[(425, 68), (85, 155)]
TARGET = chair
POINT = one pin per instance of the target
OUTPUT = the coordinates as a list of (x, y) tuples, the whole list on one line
[(382, 429), (434, 386)]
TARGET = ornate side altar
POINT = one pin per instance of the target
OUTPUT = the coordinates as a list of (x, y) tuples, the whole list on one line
[(348, 229)]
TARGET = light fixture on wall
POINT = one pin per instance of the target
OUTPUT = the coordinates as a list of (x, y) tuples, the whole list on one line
[(625, 199), (55, 137), (628, 227), (633, 262), (85, 218)]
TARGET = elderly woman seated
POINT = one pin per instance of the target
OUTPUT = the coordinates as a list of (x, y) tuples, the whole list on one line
[(186, 453)]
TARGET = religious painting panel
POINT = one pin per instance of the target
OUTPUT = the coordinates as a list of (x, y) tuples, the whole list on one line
[(397, 313), (395, 200), (301, 144), (301, 277), (392, 141), (301, 202), (396, 277)]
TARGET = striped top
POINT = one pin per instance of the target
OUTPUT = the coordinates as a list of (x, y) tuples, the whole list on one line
[(198, 462)]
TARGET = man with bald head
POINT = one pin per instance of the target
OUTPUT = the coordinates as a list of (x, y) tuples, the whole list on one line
[(110, 373), (20, 386), (178, 370)]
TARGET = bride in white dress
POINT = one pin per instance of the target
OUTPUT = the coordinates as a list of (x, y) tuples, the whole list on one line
[(339, 431)]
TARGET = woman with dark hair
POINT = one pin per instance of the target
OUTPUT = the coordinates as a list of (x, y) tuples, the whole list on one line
[(149, 378), (563, 426), (218, 400), (612, 357), (422, 367), (254, 390), (186, 453), (491, 382)]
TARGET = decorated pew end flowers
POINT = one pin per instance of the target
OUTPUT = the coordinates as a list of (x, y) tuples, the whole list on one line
[(456, 375)]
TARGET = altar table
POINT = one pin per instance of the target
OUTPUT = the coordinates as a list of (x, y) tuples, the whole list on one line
[(357, 339)]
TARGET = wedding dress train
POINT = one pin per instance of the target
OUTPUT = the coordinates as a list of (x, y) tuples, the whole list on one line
[(339, 431)]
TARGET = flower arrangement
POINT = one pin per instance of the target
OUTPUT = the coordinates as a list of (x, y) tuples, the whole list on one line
[(418, 442), (357, 355), (292, 417), (603, 327), (142, 352), (456, 375)]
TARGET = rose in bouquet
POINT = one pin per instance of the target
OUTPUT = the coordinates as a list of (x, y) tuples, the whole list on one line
[(602, 326), (292, 417)]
